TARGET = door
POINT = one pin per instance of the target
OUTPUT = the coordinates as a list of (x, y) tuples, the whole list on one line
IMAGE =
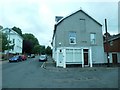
[(114, 58), (85, 52)]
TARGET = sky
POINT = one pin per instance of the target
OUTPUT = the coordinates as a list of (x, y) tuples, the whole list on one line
[(38, 16)]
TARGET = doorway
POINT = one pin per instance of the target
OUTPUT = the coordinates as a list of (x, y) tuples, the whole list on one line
[(114, 58), (85, 54)]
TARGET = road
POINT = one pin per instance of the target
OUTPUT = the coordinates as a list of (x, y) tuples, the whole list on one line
[(30, 74), (21, 74)]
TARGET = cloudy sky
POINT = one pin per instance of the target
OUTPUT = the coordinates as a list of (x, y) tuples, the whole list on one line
[(38, 16)]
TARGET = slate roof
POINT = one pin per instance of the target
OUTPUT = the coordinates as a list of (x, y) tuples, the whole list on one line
[(75, 13), (114, 37)]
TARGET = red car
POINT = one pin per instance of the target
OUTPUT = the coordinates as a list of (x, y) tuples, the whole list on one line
[(24, 57)]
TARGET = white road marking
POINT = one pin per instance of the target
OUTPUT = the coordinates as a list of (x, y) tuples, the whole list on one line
[(43, 65)]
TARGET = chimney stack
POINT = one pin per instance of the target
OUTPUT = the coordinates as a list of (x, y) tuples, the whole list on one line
[(58, 18)]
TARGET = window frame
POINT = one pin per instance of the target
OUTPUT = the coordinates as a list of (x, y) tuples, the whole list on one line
[(72, 37), (93, 38)]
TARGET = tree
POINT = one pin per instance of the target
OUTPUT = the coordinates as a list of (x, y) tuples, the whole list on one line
[(104, 36), (1, 27), (33, 41), (42, 49), (107, 34), (5, 42), (30, 37), (37, 49), (18, 30), (27, 46), (0, 41), (48, 50)]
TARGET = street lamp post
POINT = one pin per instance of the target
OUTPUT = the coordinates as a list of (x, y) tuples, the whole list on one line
[(107, 49)]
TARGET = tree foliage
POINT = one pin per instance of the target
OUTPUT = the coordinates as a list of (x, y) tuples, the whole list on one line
[(1, 27), (18, 30), (30, 37), (42, 49), (108, 34), (5, 42), (104, 36), (32, 42), (37, 49), (48, 50), (27, 46)]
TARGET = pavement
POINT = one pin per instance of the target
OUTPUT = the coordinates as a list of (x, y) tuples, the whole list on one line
[(49, 63), (95, 77)]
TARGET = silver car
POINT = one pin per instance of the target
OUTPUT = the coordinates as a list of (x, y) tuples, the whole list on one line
[(43, 58)]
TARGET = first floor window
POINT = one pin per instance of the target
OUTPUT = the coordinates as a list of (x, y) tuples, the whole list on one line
[(13, 41), (72, 37), (93, 38), (72, 40)]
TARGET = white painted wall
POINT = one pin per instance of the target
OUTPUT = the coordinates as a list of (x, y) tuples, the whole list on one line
[(97, 54), (71, 55), (18, 41), (118, 57), (72, 23), (110, 55)]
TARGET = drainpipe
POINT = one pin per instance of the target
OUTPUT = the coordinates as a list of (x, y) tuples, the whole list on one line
[(107, 49)]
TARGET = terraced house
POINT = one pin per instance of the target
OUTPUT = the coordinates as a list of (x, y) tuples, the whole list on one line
[(78, 39), (113, 49)]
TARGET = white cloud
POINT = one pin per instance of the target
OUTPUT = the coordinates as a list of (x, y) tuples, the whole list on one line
[(38, 16)]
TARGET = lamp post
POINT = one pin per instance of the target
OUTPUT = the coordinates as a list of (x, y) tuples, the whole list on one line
[(107, 49)]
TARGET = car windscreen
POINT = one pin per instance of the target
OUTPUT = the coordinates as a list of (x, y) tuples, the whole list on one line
[(43, 56)]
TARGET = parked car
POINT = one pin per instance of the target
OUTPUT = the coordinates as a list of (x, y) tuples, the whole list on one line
[(43, 58), (32, 55), (28, 56), (24, 57), (15, 59)]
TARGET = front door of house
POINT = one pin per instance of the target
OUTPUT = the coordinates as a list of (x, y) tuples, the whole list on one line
[(114, 58), (85, 52)]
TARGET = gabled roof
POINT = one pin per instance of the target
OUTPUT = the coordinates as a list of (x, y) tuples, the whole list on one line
[(12, 32), (114, 37), (71, 15), (75, 13)]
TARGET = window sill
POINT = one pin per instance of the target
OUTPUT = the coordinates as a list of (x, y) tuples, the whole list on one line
[(93, 44), (72, 43)]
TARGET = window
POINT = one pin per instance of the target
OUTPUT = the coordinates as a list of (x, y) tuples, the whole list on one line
[(93, 38), (72, 37), (111, 43), (82, 25), (13, 41)]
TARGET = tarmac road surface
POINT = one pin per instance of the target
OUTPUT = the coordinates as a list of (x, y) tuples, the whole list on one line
[(30, 74)]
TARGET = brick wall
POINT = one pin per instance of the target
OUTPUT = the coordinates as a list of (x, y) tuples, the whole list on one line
[(113, 46)]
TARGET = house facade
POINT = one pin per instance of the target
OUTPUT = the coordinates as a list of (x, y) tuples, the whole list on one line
[(77, 39), (15, 40), (113, 49)]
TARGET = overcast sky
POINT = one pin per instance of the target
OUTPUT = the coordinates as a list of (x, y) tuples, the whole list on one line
[(38, 16)]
